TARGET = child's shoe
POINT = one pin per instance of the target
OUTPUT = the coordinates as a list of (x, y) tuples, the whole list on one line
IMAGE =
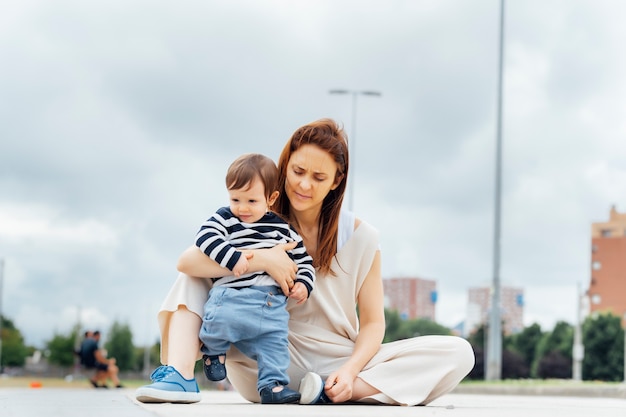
[(284, 396), (213, 368), (312, 390)]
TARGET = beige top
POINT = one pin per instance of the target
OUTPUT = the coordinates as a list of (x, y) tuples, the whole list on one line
[(324, 328)]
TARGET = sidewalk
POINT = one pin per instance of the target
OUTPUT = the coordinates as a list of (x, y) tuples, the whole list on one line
[(61, 402)]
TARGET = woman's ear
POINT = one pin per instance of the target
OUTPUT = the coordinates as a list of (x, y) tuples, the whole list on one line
[(272, 199), (337, 182)]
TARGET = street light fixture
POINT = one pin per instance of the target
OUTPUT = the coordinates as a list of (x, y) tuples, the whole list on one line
[(351, 143)]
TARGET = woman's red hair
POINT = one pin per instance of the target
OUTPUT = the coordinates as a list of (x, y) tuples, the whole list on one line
[(330, 137)]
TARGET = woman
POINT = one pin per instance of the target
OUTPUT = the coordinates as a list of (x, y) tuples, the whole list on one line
[(326, 335)]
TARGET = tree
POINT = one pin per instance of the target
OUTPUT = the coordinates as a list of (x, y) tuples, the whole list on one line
[(513, 365), (477, 340), (525, 343), (392, 325), (14, 351), (603, 338), (153, 356), (477, 337), (61, 349), (554, 365), (560, 340), (119, 345), (397, 329)]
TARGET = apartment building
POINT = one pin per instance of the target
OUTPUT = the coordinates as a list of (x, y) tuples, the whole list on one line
[(412, 297), (607, 287)]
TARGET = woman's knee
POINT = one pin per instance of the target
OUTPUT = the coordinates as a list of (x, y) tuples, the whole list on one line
[(464, 354)]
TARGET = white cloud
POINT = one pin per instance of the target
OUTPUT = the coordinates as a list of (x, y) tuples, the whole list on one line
[(42, 225)]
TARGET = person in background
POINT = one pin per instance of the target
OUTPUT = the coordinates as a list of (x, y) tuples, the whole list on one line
[(92, 357), (99, 379)]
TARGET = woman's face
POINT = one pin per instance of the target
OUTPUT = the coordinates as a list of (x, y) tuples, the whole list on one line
[(311, 174)]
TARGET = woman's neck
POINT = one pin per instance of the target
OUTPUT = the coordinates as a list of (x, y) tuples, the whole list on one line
[(307, 225), (305, 220)]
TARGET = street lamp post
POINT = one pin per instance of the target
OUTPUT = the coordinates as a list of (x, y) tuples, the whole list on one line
[(578, 352), (1, 282), (493, 364), (351, 143), (624, 347)]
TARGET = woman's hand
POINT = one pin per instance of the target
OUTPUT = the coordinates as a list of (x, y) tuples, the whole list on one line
[(339, 385), (276, 263)]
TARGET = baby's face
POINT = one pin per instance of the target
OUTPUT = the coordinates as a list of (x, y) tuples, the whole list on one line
[(249, 204)]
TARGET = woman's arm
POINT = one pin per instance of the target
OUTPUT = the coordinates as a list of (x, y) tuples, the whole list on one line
[(274, 261), (195, 263), (370, 300)]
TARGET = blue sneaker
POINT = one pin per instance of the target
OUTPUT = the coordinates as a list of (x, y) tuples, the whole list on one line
[(312, 390), (168, 386)]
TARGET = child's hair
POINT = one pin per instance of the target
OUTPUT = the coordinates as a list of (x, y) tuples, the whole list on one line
[(247, 167)]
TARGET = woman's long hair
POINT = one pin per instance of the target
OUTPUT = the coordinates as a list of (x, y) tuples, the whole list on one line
[(330, 137)]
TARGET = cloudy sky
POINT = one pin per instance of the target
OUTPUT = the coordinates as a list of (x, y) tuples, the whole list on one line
[(118, 120)]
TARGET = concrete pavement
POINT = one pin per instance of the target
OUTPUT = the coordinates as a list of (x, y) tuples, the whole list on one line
[(62, 402)]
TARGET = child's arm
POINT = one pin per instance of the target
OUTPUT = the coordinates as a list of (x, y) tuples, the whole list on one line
[(212, 240), (241, 267), (299, 292), (306, 271)]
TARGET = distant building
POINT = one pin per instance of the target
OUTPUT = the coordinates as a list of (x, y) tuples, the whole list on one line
[(412, 298), (479, 307), (607, 288)]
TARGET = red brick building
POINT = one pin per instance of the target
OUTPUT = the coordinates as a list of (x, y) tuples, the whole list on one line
[(511, 313), (412, 298), (607, 288)]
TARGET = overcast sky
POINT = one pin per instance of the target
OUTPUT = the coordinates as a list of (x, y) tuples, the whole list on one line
[(118, 120)]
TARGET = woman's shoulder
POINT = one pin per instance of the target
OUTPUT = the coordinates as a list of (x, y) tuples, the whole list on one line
[(365, 230), (349, 224)]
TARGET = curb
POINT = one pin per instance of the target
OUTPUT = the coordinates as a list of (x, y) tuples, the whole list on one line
[(610, 391)]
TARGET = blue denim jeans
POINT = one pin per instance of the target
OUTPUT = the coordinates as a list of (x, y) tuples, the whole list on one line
[(255, 320)]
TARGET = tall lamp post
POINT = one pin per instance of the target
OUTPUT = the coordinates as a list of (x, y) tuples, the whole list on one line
[(351, 143), (493, 364), (1, 282), (578, 349), (624, 347)]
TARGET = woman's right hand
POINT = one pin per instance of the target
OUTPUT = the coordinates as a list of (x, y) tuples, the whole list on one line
[(277, 264)]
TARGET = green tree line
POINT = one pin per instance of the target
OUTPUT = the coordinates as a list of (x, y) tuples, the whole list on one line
[(532, 353)]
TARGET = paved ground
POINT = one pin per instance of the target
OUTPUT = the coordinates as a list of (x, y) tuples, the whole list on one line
[(52, 402)]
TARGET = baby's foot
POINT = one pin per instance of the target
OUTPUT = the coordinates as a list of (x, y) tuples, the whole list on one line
[(214, 367)]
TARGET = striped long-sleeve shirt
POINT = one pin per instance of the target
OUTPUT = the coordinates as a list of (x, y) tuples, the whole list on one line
[(222, 235)]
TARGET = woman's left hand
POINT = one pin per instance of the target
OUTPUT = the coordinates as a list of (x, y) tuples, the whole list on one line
[(339, 386)]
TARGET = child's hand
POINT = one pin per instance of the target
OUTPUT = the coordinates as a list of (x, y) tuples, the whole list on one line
[(241, 267), (299, 293)]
